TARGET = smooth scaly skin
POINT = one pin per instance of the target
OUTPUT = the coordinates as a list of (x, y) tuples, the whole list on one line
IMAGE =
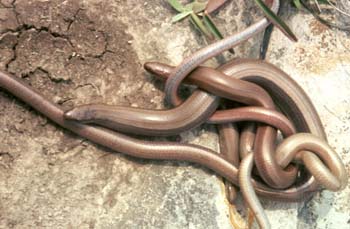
[(284, 90), (245, 169), (156, 122), (144, 149), (254, 114), (110, 116), (191, 113), (287, 94), (217, 83), (230, 149), (293, 100), (220, 84), (304, 147), (212, 50), (147, 150), (246, 144)]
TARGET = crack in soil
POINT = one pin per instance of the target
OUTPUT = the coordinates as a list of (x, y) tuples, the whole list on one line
[(14, 53), (71, 21)]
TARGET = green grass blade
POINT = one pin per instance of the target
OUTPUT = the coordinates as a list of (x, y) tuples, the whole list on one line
[(298, 4), (265, 42), (180, 16), (177, 5), (212, 27), (326, 2), (209, 23), (276, 21), (199, 24)]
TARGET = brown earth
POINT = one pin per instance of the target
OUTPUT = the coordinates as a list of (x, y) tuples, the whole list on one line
[(87, 51), (77, 52)]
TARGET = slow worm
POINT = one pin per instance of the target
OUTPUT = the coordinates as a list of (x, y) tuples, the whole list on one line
[(166, 122), (301, 147), (295, 103), (288, 95), (192, 112), (148, 122), (230, 149), (245, 169), (212, 50), (246, 144), (286, 88), (144, 149), (310, 149)]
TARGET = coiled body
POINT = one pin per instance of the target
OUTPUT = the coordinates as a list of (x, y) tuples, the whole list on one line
[(145, 149)]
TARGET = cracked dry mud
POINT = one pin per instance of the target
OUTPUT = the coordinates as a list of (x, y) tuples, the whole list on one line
[(86, 51), (77, 52), (72, 54)]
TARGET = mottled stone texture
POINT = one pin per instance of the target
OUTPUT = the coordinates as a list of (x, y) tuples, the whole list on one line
[(320, 63), (90, 51)]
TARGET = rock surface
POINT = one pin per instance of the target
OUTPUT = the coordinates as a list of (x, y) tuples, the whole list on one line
[(87, 51)]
